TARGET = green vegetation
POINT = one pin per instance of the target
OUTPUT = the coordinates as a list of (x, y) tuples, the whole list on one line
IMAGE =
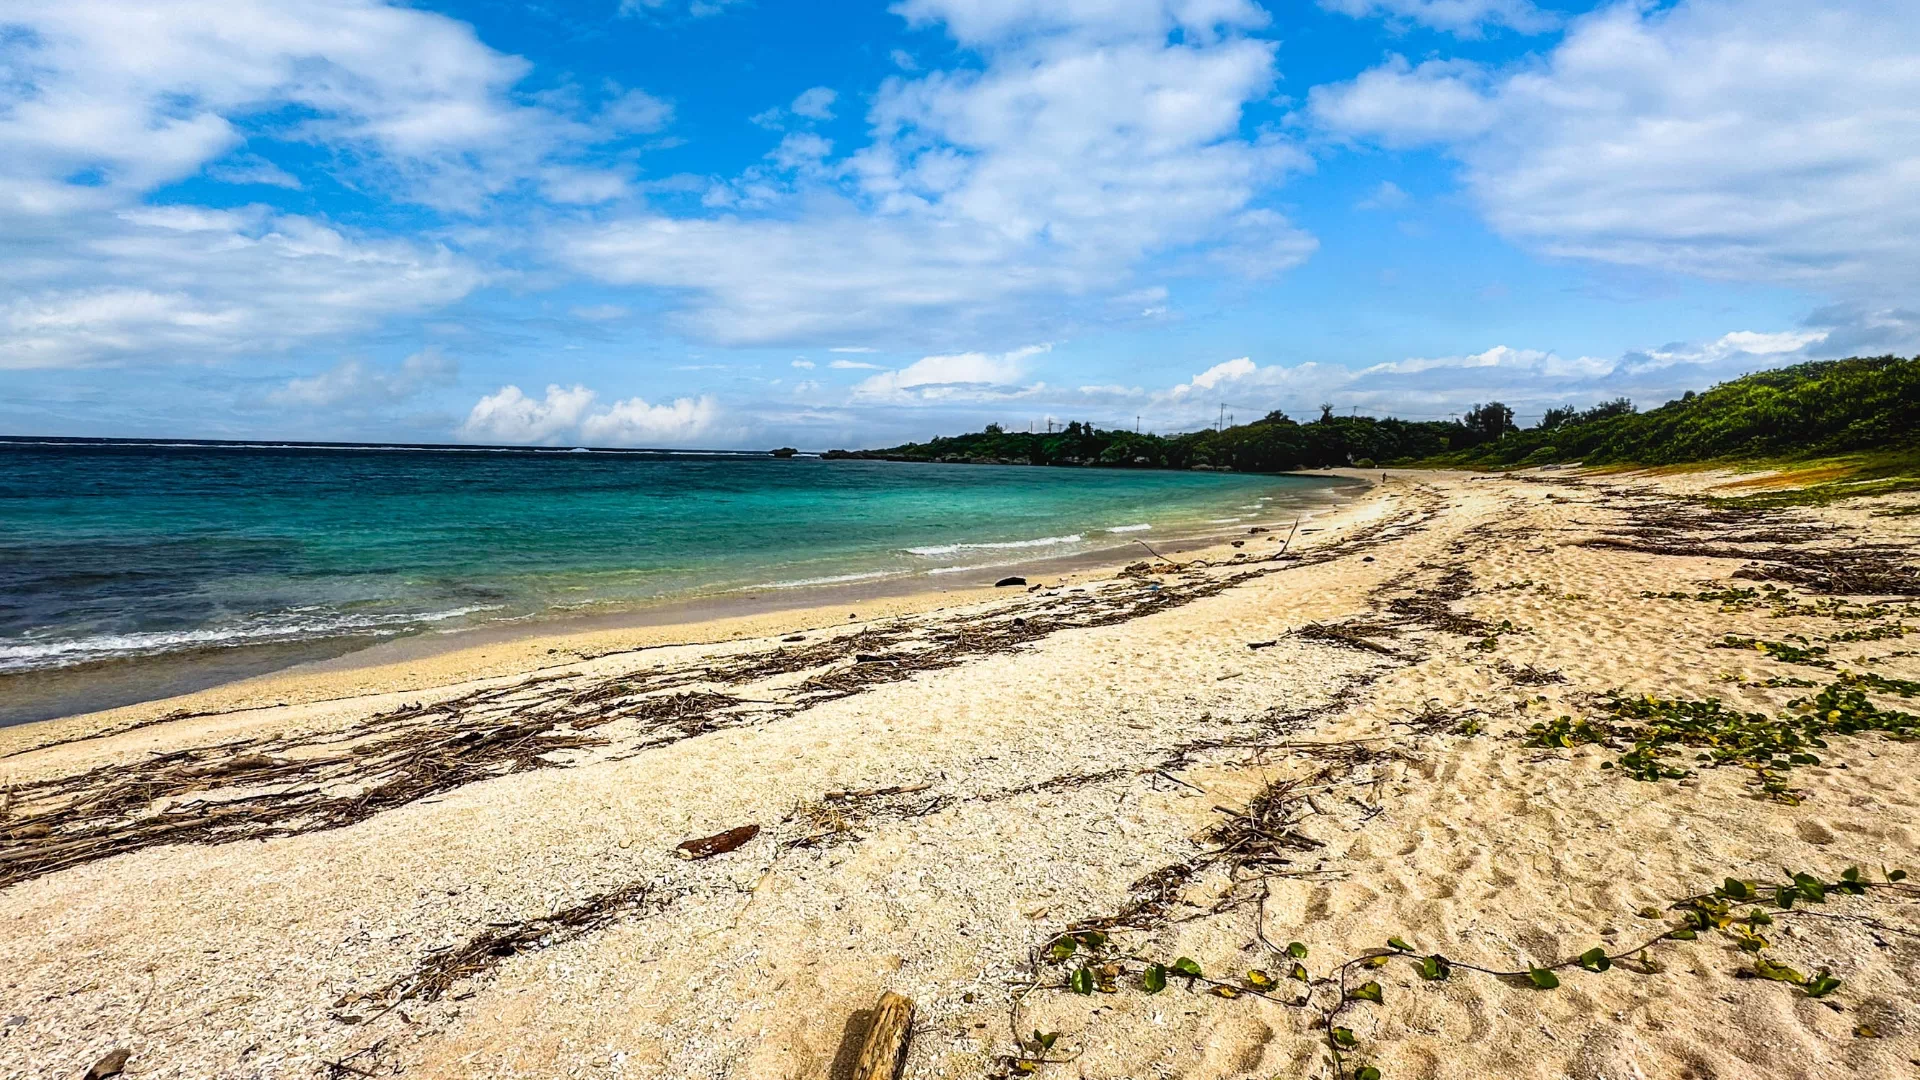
[(1861, 413), (1659, 728), (1274, 443), (1831, 407), (1088, 962)]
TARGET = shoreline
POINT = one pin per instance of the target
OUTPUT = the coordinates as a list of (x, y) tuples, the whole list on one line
[(479, 870), (418, 661)]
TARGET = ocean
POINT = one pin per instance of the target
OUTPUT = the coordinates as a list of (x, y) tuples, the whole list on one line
[(132, 570)]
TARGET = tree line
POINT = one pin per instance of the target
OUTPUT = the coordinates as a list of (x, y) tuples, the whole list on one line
[(1821, 407)]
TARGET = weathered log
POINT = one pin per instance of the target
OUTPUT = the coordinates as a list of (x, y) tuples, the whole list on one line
[(718, 844), (886, 1047)]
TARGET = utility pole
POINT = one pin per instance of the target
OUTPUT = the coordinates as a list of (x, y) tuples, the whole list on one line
[(1136, 424), (1221, 424)]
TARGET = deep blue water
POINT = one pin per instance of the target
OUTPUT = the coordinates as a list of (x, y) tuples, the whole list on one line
[(124, 550)]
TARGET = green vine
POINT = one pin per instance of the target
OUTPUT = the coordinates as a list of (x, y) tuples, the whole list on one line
[(1088, 962)]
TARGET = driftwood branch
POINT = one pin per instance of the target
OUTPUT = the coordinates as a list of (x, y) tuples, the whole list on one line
[(885, 1049)]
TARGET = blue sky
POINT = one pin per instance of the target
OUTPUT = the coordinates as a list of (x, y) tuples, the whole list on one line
[(742, 223)]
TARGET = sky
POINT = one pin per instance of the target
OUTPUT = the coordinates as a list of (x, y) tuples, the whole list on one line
[(753, 223)]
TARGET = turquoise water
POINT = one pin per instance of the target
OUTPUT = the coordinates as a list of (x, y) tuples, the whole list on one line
[(110, 553)]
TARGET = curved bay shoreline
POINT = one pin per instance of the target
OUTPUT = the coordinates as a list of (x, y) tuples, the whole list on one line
[(464, 865)]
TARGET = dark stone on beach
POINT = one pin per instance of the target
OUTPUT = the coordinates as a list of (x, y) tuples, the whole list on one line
[(111, 1065), (1010, 581), (1367, 559), (1256, 530)]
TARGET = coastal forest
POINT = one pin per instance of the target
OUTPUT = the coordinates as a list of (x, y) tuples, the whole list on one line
[(1811, 409)]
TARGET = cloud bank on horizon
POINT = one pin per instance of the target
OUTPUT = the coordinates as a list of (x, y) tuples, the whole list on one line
[(701, 223)]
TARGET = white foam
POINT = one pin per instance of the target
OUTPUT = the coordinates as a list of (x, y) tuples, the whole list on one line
[(1129, 528), (31, 655), (835, 580), (951, 549), (1223, 521)]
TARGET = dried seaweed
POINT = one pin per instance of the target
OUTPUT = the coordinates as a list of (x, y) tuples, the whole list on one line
[(1352, 636), (1527, 674), (1776, 546), (439, 971), (251, 790)]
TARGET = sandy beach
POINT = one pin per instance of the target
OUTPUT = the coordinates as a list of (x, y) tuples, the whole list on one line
[(468, 864)]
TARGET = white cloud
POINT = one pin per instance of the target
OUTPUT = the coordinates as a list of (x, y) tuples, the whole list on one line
[(801, 150), (1388, 196), (1402, 105), (180, 283), (354, 382), (1530, 380), (815, 104), (1759, 140), (992, 23), (853, 365), (696, 9), (970, 375), (1228, 371), (599, 312), (135, 95), (988, 200), (566, 414), (103, 103), (852, 349), (509, 416), (633, 422), (803, 365), (1468, 18), (252, 169)]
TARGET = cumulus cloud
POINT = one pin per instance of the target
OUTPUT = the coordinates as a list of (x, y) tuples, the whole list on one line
[(972, 375), (354, 382), (1400, 105), (1756, 140), (1095, 134), (567, 414), (1467, 18)]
